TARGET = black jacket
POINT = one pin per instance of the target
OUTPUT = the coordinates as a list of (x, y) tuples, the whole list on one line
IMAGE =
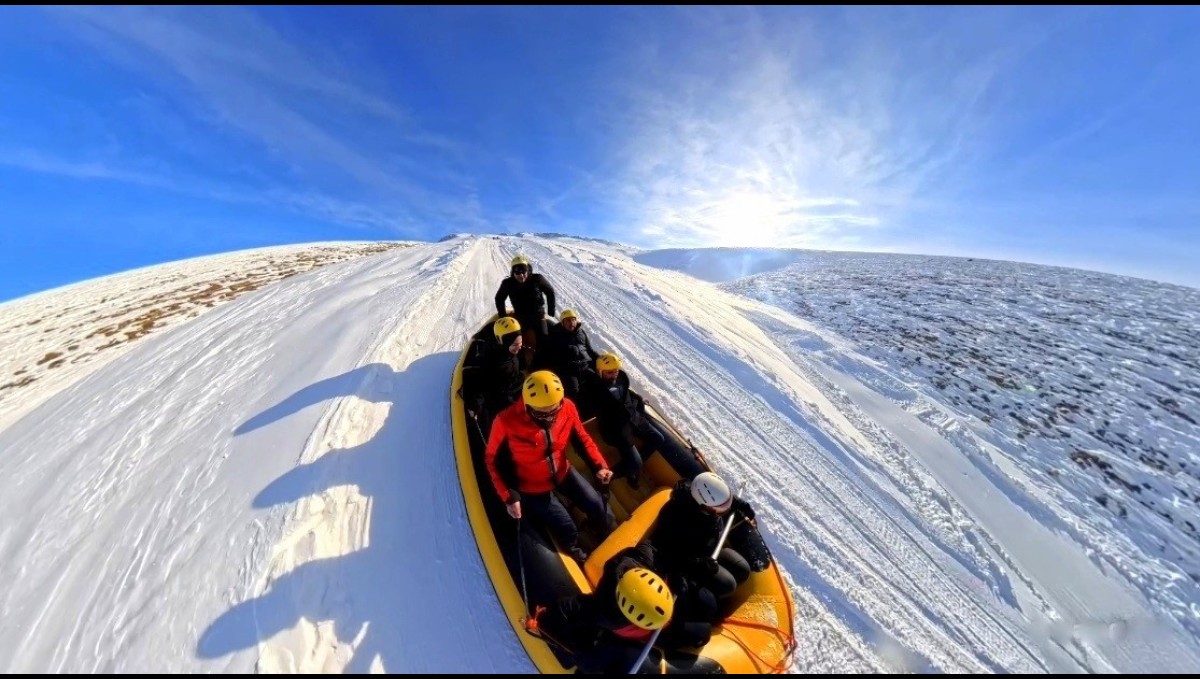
[(619, 410), (531, 298), (686, 534), (571, 352), (491, 375), (587, 622), (583, 620)]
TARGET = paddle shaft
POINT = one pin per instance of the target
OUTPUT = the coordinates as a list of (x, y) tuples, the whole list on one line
[(724, 534), (645, 652), (728, 526)]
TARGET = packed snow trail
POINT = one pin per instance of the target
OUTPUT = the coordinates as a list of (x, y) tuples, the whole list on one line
[(147, 514), (871, 579), (973, 571)]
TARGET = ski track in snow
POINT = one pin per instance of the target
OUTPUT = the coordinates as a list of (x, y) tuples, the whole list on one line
[(873, 583), (310, 422)]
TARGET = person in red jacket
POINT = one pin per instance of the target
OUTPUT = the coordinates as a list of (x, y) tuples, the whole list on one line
[(538, 430)]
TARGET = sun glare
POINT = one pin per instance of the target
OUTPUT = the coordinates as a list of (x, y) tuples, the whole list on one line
[(750, 219)]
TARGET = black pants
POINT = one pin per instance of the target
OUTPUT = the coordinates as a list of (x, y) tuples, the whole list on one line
[(535, 322), (492, 406), (732, 570), (655, 439), (691, 625), (614, 655), (696, 609), (547, 508), (573, 381), (570, 382)]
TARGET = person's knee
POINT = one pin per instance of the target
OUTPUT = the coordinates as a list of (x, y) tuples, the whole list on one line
[(723, 583), (735, 563), (694, 633), (635, 457)]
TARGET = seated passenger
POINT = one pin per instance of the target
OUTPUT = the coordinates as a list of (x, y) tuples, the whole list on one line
[(608, 628), (492, 373), (571, 354), (538, 430), (621, 415), (689, 528)]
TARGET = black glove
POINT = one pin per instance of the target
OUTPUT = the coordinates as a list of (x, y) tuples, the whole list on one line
[(680, 586), (743, 508), (704, 564)]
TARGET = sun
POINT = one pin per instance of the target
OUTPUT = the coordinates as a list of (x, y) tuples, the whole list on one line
[(749, 219)]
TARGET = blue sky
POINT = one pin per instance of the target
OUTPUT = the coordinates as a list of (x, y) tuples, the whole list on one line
[(132, 136)]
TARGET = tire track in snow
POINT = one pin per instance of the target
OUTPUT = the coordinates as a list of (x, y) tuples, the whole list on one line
[(877, 573)]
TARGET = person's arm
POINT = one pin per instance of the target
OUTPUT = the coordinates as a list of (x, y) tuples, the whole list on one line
[(549, 292), (742, 507), (498, 435), (587, 342), (473, 378), (638, 401), (647, 554), (570, 619), (501, 294)]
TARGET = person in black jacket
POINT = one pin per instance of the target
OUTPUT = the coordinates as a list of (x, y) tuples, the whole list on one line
[(608, 628), (571, 354), (689, 528), (531, 298), (493, 373), (621, 413)]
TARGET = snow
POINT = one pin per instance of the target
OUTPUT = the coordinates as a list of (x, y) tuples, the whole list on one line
[(88, 328), (270, 486), (720, 265)]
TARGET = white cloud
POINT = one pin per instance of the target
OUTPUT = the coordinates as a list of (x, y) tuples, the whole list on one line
[(772, 128), (303, 106)]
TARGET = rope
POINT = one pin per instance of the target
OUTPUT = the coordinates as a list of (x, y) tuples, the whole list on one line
[(789, 641)]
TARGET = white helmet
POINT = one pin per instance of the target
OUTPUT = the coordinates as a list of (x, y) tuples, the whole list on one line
[(709, 490)]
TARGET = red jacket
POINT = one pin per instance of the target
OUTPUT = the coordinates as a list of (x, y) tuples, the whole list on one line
[(533, 454)]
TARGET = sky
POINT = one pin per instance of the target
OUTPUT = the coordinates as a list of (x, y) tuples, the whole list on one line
[(131, 136), (240, 492)]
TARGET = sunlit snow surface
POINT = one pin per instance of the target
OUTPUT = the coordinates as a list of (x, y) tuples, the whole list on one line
[(270, 486), (1083, 387)]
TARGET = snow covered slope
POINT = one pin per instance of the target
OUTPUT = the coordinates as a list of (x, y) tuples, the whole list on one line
[(86, 325), (1082, 388), (271, 487)]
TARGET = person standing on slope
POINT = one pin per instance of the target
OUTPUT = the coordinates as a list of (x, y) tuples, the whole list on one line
[(532, 297), (538, 430)]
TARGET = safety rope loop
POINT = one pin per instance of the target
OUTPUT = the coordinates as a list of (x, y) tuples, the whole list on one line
[(788, 640)]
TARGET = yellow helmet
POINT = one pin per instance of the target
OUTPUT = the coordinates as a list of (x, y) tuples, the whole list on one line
[(542, 389), (519, 259), (504, 326), (644, 599), (608, 361), (568, 313)]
